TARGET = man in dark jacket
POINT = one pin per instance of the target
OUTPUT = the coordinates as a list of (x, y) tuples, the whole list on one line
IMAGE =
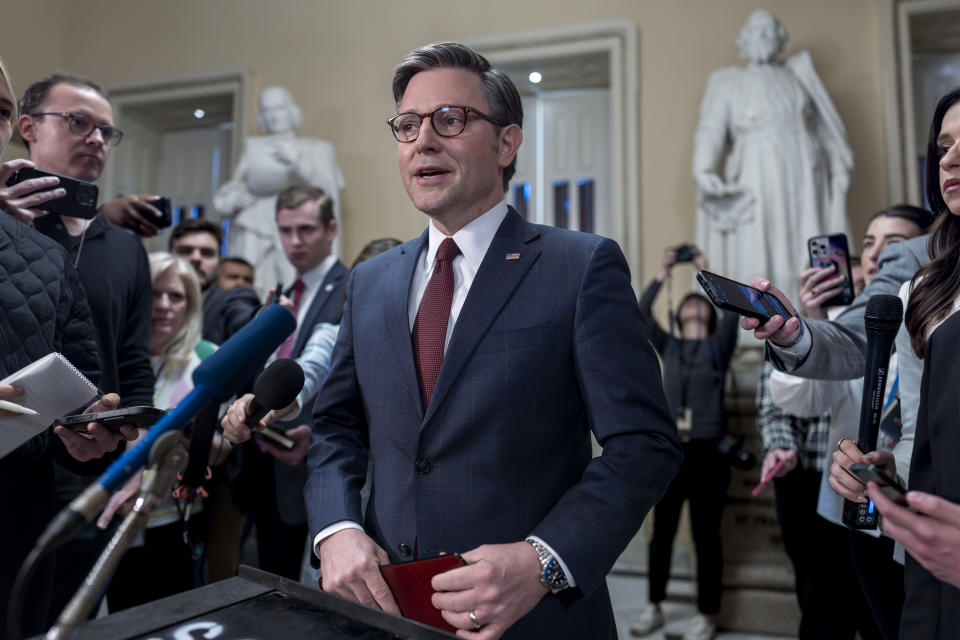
[(67, 123)]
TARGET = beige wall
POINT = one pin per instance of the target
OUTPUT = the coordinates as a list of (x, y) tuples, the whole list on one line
[(337, 59)]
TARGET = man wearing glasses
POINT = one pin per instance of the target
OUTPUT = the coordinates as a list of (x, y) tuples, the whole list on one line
[(67, 125), (472, 365)]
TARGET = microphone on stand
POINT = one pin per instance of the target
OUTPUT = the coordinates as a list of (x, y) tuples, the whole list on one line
[(882, 318)]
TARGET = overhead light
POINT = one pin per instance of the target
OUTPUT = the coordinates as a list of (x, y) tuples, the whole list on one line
[(535, 77), (199, 113)]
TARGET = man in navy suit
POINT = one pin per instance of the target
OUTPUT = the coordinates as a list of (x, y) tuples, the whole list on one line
[(274, 478), (471, 367)]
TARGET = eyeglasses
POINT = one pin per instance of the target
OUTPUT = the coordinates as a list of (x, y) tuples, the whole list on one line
[(83, 126), (448, 121)]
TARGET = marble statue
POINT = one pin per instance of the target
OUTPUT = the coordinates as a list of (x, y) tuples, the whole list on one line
[(269, 163), (771, 161)]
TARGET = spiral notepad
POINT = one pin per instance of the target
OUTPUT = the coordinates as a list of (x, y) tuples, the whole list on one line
[(52, 387)]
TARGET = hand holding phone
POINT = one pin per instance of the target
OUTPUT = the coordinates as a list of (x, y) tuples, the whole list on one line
[(79, 199), (826, 252), (890, 487), (143, 417)]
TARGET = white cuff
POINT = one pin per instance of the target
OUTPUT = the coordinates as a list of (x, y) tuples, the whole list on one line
[(326, 532), (566, 571)]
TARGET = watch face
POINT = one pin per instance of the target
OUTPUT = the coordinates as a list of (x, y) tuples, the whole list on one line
[(553, 575)]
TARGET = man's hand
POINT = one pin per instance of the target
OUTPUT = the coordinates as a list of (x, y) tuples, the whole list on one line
[(789, 457), (779, 330), (121, 501), (350, 565), (669, 259), (96, 440), (816, 287), (931, 535), (234, 422), (134, 213), (301, 437), (699, 260), (22, 199), (499, 585), (845, 483)]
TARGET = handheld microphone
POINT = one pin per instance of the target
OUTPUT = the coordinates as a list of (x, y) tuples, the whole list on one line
[(216, 379), (275, 388), (882, 318)]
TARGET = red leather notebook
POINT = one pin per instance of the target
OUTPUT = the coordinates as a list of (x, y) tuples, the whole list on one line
[(410, 584)]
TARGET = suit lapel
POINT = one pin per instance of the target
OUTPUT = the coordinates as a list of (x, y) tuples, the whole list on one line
[(396, 308), (327, 287), (509, 257)]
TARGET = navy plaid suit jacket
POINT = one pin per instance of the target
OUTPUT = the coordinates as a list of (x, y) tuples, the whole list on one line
[(548, 348)]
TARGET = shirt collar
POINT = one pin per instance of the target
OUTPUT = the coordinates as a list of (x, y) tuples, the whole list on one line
[(474, 239), (315, 276)]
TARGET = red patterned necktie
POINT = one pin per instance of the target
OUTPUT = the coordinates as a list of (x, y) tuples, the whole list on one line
[(430, 327), (287, 347)]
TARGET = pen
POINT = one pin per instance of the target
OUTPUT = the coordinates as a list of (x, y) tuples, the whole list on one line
[(15, 408)]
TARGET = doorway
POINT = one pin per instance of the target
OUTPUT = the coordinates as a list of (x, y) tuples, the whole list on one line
[(181, 141)]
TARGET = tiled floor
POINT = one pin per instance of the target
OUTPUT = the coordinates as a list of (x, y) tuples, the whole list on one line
[(629, 594)]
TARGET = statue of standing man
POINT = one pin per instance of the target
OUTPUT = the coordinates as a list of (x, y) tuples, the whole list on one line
[(269, 164), (771, 160)]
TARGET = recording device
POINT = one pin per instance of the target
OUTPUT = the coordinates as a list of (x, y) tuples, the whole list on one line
[(142, 417), (741, 298), (684, 252), (827, 251), (277, 292), (162, 204), (882, 319), (890, 487), (732, 450), (215, 380), (275, 388), (79, 202)]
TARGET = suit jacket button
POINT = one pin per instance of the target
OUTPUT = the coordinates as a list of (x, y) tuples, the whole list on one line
[(423, 466), (404, 550)]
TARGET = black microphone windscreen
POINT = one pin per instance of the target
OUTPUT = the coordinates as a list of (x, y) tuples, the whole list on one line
[(884, 313), (279, 384)]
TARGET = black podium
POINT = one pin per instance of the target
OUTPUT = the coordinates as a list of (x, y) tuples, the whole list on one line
[(255, 605)]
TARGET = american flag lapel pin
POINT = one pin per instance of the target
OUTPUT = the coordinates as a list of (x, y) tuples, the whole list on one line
[(513, 256)]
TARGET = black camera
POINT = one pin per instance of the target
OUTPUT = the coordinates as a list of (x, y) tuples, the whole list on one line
[(684, 252), (732, 449)]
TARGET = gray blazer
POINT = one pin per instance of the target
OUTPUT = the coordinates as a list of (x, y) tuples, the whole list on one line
[(837, 347)]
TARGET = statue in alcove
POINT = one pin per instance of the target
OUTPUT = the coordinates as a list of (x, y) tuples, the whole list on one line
[(771, 160), (270, 163)]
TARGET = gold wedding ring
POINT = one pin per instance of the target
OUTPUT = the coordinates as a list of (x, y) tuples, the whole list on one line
[(840, 441), (473, 619)]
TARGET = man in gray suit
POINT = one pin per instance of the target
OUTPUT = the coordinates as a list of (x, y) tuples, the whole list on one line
[(834, 349)]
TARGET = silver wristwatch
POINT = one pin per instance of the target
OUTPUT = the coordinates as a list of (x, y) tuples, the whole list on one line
[(551, 573)]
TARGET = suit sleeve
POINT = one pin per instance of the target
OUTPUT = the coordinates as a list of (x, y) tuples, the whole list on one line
[(619, 380), (339, 449), (837, 346)]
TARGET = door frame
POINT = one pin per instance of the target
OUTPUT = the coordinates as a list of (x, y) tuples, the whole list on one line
[(618, 39)]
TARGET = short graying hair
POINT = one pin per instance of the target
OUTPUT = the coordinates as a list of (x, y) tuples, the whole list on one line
[(498, 89)]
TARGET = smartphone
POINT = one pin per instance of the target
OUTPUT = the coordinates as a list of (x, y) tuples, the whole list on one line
[(741, 298), (277, 292), (276, 438), (163, 205), (81, 198), (137, 416), (833, 250), (891, 487)]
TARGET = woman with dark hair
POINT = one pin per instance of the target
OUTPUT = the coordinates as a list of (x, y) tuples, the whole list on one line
[(930, 532)]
